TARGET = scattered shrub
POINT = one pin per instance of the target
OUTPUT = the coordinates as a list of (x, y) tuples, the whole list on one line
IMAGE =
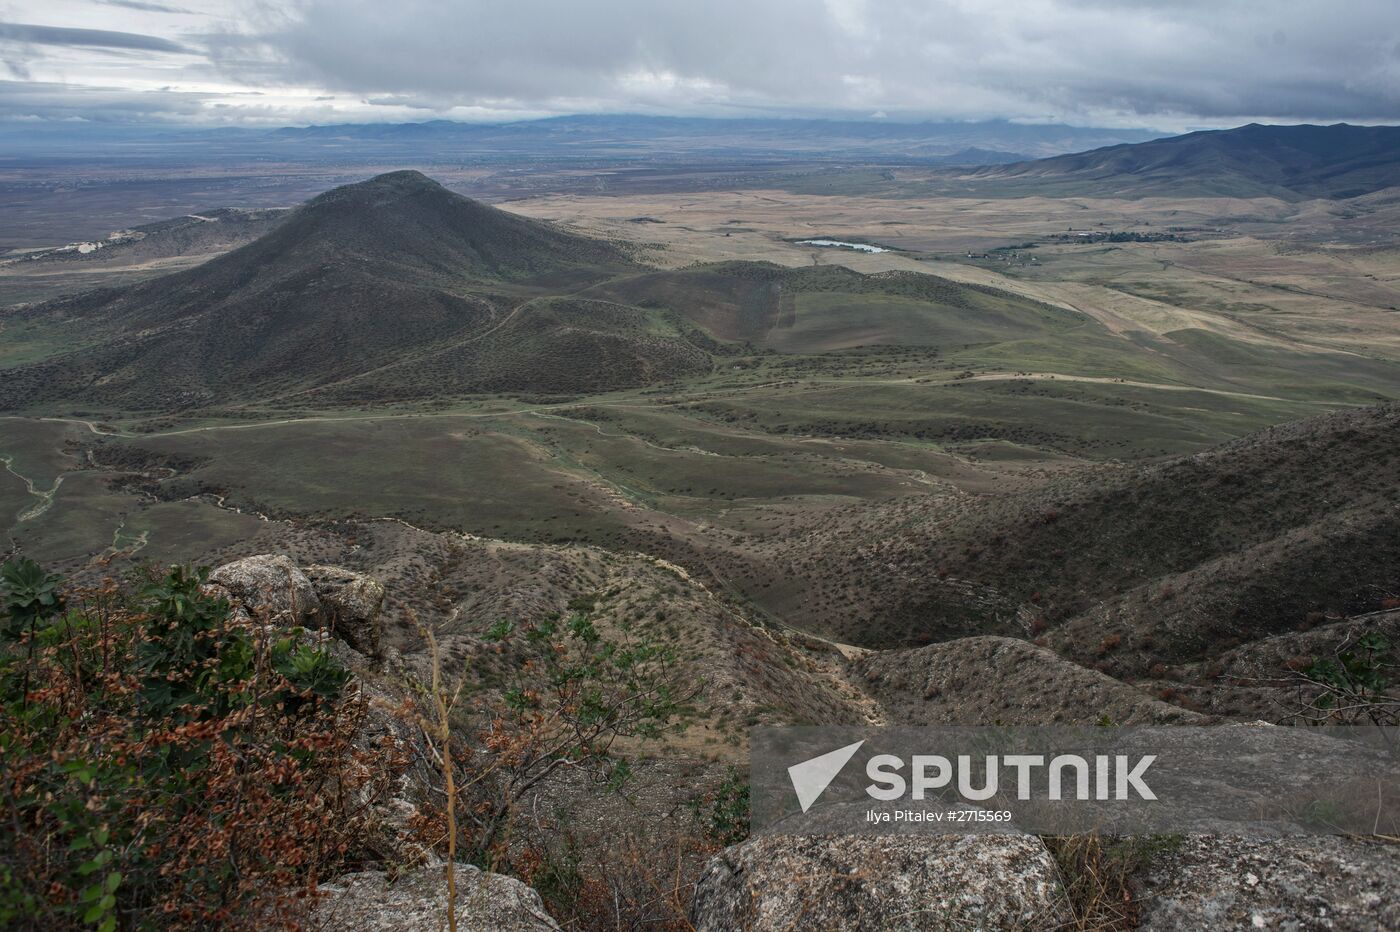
[(723, 814)]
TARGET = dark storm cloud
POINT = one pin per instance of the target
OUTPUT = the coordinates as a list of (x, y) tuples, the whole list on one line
[(91, 38), (35, 100), (1169, 64), (1041, 58), (145, 7)]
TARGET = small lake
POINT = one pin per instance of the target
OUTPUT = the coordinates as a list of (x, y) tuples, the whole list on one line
[(859, 247)]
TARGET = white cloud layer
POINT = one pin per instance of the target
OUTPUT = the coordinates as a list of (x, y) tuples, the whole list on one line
[(1107, 62)]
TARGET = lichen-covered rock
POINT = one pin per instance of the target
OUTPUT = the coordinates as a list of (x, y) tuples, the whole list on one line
[(416, 901), (269, 586), (352, 603), (390, 727), (1300, 883), (881, 883)]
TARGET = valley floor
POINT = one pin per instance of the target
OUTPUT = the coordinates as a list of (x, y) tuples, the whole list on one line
[(775, 482)]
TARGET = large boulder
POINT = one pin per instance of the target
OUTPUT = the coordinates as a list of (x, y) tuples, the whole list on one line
[(416, 901), (270, 588), (881, 882), (351, 604), (1213, 882)]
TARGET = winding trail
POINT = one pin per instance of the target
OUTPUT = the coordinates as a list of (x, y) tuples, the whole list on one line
[(917, 475), (1105, 380), (90, 425), (542, 410), (625, 436), (474, 338)]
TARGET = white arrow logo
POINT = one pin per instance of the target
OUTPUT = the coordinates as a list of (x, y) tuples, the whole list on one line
[(811, 777)]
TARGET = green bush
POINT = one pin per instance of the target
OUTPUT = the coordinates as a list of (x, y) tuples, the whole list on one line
[(167, 764)]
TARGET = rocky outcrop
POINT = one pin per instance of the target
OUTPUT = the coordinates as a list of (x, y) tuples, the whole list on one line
[(351, 604), (273, 588), (344, 607), (893, 882), (1211, 882), (269, 587), (416, 901), (881, 883)]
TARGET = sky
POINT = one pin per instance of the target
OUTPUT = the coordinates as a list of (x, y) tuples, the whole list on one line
[(1169, 65)]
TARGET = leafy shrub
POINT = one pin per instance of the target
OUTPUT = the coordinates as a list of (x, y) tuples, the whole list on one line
[(167, 763), (1354, 686), (724, 813)]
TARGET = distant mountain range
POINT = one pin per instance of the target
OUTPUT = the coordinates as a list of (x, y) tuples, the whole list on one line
[(972, 143), (614, 137), (1304, 161)]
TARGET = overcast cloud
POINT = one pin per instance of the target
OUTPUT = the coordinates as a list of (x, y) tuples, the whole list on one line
[(1091, 62)]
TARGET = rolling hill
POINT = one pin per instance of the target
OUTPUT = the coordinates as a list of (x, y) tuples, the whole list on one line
[(396, 289), (823, 309), (359, 278), (1292, 162)]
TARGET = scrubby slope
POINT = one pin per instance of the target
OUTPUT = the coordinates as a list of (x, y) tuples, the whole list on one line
[(1193, 554), (984, 680)]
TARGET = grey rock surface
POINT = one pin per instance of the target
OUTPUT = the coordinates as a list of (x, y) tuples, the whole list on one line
[(351, 603), (881, 883), (390, 726), (269, 586), (1300, 883), (416, 901)]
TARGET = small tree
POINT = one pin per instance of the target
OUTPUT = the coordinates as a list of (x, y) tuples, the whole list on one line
[(577, 693)]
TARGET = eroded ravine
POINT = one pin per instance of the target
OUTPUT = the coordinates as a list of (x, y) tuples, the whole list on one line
[(45, 498)]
